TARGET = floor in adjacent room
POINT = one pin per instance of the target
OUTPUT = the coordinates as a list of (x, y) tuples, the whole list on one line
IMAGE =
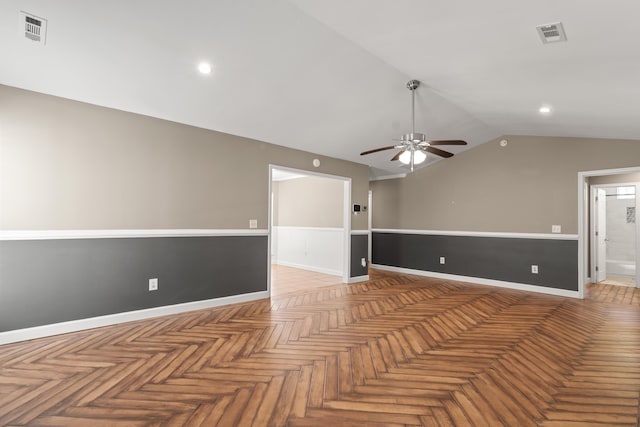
[(396, 350), (620, 281), (288, 279)]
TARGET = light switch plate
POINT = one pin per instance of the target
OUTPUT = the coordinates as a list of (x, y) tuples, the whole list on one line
[(253, 223)]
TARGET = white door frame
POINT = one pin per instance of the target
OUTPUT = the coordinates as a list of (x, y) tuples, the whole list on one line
[(346, 270), (583, 232), (594, 234), (370, 225)]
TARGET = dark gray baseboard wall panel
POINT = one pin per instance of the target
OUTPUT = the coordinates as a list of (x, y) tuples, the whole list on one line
[(359, 250), (497, 258), (49, 281)]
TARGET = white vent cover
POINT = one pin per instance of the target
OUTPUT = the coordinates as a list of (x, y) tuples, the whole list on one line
[(33, 27), (551, 33)]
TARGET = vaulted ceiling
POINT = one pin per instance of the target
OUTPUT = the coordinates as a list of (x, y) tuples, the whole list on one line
[(328, 76)]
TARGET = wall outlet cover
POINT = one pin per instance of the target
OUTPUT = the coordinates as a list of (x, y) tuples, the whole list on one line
[(556, 229), (153, 284), (253, 223), (442, 260), (534, 269)]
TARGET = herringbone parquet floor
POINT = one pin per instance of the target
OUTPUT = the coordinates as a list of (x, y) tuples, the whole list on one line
[(397, 350)]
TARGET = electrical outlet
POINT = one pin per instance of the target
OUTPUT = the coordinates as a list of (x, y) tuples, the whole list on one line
[(556, 229), (153, 284), (534, 269), (253, 223), (363, 262), (441, 260)]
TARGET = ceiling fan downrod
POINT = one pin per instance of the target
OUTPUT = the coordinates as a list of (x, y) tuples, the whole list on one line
[(412, 85)]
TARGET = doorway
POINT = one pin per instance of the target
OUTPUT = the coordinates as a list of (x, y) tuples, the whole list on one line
[(309, 227), (614, 234), (586, 241)]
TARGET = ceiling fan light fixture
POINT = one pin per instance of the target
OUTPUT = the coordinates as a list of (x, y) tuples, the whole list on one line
[(419, 156), (204, 68), (405, 157)]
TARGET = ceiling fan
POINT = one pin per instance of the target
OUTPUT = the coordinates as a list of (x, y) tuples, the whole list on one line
[(414, 146)]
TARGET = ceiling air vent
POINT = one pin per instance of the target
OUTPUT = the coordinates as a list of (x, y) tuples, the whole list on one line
[(551, 33), (33, 27)]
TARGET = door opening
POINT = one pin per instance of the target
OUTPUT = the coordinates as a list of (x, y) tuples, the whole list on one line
[(614, 234), (309, 229), (587, 182)]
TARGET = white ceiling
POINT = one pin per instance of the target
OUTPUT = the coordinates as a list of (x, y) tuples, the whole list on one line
[(328, 76), (285, 175)]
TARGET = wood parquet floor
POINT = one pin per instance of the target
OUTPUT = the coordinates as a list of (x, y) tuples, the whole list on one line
[(397, 350)]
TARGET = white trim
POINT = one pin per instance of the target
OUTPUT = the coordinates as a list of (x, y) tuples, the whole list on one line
[(482, 281), (382, 178), (113, 319), (592, 221), (359, 232), (358, 279), (121, 234), (294, 227), (583, 197), (545, 236), (369, 224), (347, 200), (310, 268)]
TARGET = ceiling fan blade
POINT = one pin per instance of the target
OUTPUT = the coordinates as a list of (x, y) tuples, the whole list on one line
[(439, 152), (377, 149), (397, 156), (448, 142)]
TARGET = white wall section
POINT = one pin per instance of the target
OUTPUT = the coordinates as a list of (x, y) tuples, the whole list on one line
[(318, 249)]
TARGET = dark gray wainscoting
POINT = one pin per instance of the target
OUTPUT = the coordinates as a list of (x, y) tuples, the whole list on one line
[(497, 258), (50, 281), (359, 250)]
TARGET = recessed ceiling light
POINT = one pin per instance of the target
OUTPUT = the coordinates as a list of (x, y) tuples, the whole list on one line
[(204, 68), (544, 110)]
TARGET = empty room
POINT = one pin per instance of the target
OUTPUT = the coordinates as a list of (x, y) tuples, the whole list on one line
[(312, 213)]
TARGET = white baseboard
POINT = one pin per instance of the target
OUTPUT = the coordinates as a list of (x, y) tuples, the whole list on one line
[(310, 268), (358, 279), (129, 316), (482, 281)]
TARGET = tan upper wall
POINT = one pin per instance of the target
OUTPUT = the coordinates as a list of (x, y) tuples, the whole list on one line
[(614, 179), (527, 186), (70, 165), (309, 202)]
